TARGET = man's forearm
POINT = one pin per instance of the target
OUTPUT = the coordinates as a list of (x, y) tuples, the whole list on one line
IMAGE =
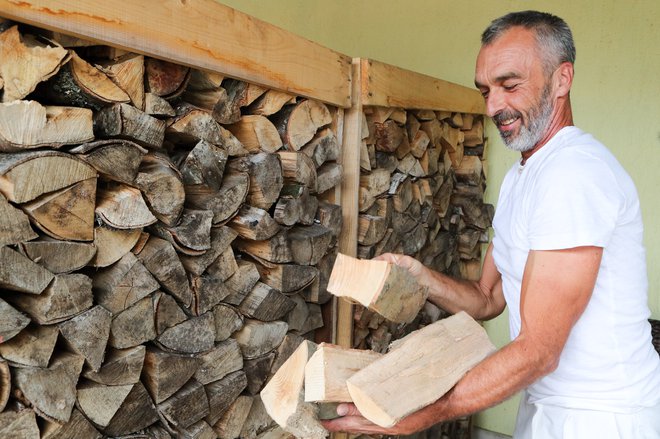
[(454, 295)]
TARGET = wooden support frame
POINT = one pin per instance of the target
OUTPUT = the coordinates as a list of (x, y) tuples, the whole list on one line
[(199, 33)]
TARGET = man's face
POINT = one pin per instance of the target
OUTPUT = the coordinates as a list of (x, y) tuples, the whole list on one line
[(510, 76)]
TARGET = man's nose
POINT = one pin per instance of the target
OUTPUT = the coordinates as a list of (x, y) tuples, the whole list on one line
[(494, 103)]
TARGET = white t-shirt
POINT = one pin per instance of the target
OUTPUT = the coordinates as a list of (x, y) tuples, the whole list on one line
[(572, 192)]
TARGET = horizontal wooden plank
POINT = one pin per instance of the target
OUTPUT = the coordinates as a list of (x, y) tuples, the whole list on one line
[(390, 86), (199, 33)]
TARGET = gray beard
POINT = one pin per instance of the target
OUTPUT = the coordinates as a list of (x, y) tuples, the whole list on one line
[(529, 137)]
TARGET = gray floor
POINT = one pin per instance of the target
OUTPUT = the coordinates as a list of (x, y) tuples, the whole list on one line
[(478, 433)]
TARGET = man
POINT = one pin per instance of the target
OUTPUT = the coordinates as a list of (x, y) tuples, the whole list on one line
[(566, 257)]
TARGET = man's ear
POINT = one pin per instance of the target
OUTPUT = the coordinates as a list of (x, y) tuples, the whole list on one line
[(563, 77)]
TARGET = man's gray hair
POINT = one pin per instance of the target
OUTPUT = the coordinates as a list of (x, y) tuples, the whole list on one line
[(553, 35)]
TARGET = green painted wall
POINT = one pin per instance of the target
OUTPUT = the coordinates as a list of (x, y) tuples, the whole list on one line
[(616, 92)]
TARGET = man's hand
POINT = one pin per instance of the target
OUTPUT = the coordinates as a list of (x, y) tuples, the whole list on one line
[(351, 421), (416, 268)]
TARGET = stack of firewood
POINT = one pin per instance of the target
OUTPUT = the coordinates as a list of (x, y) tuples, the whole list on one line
[(166, 240), (421, 194)]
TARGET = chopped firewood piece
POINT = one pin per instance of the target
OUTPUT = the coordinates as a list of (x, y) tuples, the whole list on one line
[(254, 223), (297, 124), (88, 333), (114, 159), (133, 326), (120, 367), (14, 224), (11, 322), (122, 207), (192, 336), (204, 166), (265, 303), (112, 244), (18, 273), (187, 406), (162, 186), (33, 346), (165, 79), (256, 133), (270, 103), (78, 426), (164, 373), (19, 424), (127, 72), (225, 202), (257, 338)]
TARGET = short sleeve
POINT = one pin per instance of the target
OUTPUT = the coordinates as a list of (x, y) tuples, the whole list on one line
[(577, 204)]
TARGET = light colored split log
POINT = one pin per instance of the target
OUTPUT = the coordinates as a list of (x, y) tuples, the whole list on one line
[(14, 224), (221, 239), (162, 185), (266, 179), (66, 214), (222, 393), (475, 135), (133, 326), (323, 147), (18, 184), (122, 207), (192, 336), (162, 261), (78, 426), (164, 78), (66, 296), (276, 250), (127, 72), (26, 62), (254, 223), (123, 284), (230, 424), (419, 144), (12, 321), (164, 373), (225, 202), (219, 362), (270, 103), (257, 338), (204, 166), (256, 133), (372, 185), (366, 154), (112, 244), (192, 125), (114, 159), (157, 107), (21, 424), (422, 367), (329, 175), (328, 369), (227, 321), (470, 171), (284, 396), (52, 390), (192, 234), (33, 346), (411, 166), (297, 167), (309, 243), (88, 333), (80, 84), (298, 123), (187, 406), (241, 282), (167, 312), (287, 278), (295, 205), (120, 367), (380, 286), (265, 303), (18, 273)]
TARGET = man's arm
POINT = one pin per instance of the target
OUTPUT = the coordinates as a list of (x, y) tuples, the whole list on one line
[(556, 288)]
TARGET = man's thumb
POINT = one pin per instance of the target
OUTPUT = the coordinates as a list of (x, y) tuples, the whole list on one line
[(347, 410)]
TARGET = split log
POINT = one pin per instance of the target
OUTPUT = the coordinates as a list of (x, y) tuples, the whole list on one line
[(191, 235), (225, 202), (227, 321), (297, 317), (120, 367), (257, 338), (284, 396), (256, 133), (38, 385), (17, 171), (323, 147), (452, 346), (165, 79), (265, 303), (330, 216), (78, 426), (80, 84), (21, 424), (33, 346), (371, 186), (133, 326), (204, 166), (26, 62), (112, 244), (162, 185), (122, 207), (475, 134), (127, 72), (276, 250), (297, 167), (208, 291), (164, 373), (328, 369), (242, 282), (12, 321), (309, 243), (317, 291), (66, 214), (198, 430), (123, 284), (389, 136), (287, 278), (167, 312), (329, 175), (228, 110), (298, 123), (371, 229), (295, 205), (270, 103), (222, 393), (194, 335), (67, 296), (88, 333), (229, 426), (224, 266), (470, 171), (14, 224), (257, 372), (162, 261), (218, 362), (266, 179), (157, 107), (114, 159), (254, 223), (18, 273), (187, 406), (221, 239), (380, 286)]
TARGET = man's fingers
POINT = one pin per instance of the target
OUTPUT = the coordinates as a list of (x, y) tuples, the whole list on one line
[(348, 410)]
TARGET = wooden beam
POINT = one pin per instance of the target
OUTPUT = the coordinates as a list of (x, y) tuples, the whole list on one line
[(199, 33), (389, 86)]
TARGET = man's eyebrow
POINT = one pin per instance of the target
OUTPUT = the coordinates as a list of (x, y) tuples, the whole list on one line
[(499, 79)]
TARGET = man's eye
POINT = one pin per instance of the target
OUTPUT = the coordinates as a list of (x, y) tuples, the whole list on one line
[(484, 94), (509, 87)]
